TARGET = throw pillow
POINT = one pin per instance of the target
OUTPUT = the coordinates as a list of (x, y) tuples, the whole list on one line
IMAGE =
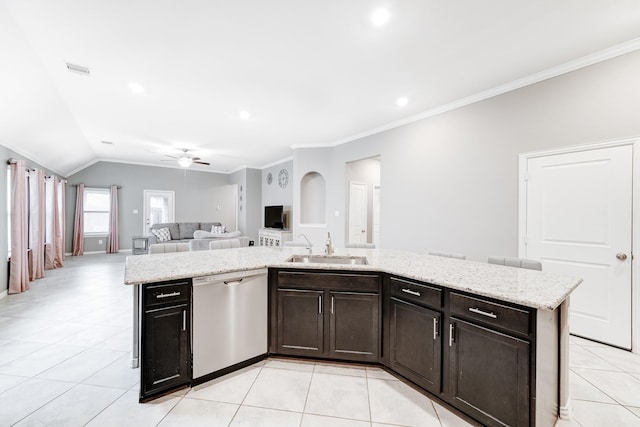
[(162, 234), (218, 229)]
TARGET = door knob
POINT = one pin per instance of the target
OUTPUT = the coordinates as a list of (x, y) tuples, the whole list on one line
[(621, 256)]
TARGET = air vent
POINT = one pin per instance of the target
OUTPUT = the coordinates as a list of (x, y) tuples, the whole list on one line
[(78, 69), (107, 142)]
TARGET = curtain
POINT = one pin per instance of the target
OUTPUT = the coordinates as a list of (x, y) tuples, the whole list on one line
[(54, 254), (60, 224), (112, 240), (36, 223), (18, 266), (78, 223)]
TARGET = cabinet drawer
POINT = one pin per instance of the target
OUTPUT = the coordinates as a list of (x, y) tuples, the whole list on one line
[(337, 281), (415, 292), (166, 293), (509, 318)]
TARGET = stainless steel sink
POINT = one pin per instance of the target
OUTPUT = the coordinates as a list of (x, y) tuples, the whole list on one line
[(328, 259)]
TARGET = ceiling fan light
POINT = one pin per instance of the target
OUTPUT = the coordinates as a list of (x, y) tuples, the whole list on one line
[(185, 162)]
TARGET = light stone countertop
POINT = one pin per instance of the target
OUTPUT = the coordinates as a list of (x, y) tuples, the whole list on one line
[(530, 288)]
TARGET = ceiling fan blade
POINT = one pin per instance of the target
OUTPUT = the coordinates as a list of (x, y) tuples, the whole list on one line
[(173, 157), (195, 158), (202, 163)]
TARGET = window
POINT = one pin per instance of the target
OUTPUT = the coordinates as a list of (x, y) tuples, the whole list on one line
[(96, 211)]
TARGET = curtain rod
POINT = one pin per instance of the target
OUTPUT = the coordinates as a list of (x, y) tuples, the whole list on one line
[(95, 186), (51, 176), (13, 161)]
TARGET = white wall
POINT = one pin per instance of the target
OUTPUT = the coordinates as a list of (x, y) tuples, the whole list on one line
[(225, 204), (449, 182), (194, 199), (273, 194), (313, 160)]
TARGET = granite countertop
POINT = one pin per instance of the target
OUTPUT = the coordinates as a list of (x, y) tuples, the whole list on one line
[(530, 288)]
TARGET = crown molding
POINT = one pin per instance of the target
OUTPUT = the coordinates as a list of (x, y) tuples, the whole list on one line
[(277, 162), (567, 67), (30, 157)]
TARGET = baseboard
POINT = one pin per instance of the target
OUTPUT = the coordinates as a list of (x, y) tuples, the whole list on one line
[(102, 252), (565, 412), (3, 294)]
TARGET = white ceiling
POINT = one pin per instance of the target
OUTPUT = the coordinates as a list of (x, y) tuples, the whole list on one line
[(309, 72)]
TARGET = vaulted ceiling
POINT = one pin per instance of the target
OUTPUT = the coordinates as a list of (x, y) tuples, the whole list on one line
[(305, 72)]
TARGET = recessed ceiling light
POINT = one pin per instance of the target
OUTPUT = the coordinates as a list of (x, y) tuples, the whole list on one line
[(136, 87), (402, 101), (380, 17), (245, 115)]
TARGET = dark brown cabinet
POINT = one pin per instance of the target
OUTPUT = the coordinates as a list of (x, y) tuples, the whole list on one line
[(329, 315), (300, 322), (354, 325), (490, 360), (415, 344), (475, 353), (489, 374), (414, 327), (166, 349)]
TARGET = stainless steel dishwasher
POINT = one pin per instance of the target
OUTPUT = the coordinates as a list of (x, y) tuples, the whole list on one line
[(229, 320)]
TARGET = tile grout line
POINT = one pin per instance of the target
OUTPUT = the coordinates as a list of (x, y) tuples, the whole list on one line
[(247, 393)]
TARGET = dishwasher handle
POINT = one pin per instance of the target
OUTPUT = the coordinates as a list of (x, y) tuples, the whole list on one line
[(228, 278)]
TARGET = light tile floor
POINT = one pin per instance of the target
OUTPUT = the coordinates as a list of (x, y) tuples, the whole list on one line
[(65, 352)]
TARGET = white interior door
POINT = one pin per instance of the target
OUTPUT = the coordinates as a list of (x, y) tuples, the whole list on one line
[(376, 216), (357, 212), (159, 207), (578, 222)]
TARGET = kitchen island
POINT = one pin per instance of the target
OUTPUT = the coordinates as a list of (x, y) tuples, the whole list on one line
[(465, 298)]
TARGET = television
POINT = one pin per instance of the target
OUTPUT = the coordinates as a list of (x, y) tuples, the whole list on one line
[(273, 217)]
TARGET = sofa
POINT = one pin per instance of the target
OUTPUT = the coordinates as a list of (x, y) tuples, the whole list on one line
[(183, 232)]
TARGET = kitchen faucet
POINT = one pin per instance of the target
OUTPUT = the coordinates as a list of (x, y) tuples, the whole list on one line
[(328, 247), (305, 238)]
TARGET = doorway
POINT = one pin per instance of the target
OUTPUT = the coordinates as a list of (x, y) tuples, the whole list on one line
[(357, 212), (159, 207), (578, 221), (363, 201)]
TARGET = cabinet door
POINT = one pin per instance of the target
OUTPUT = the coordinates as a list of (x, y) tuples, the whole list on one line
[(300, 322), (166, 352), (354, 326), (415, 344), (489, 374)]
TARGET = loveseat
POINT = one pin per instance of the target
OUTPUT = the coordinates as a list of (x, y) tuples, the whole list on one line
[(183, 232)]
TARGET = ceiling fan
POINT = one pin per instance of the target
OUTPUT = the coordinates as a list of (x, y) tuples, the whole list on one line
[(185, 160)]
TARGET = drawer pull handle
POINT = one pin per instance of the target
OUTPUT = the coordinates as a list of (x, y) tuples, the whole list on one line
[(451, 331), (184, 320), (484, 313), (435, 328), (410, 292), (319, 304), (172, 294), (332, 301)]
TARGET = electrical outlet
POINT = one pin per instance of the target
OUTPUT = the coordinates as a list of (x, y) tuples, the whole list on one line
[(100, 242)]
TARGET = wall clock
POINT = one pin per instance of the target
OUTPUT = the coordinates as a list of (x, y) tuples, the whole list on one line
[(269, 178), (283, 178)]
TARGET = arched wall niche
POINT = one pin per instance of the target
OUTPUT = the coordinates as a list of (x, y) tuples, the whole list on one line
[(313, 199)]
